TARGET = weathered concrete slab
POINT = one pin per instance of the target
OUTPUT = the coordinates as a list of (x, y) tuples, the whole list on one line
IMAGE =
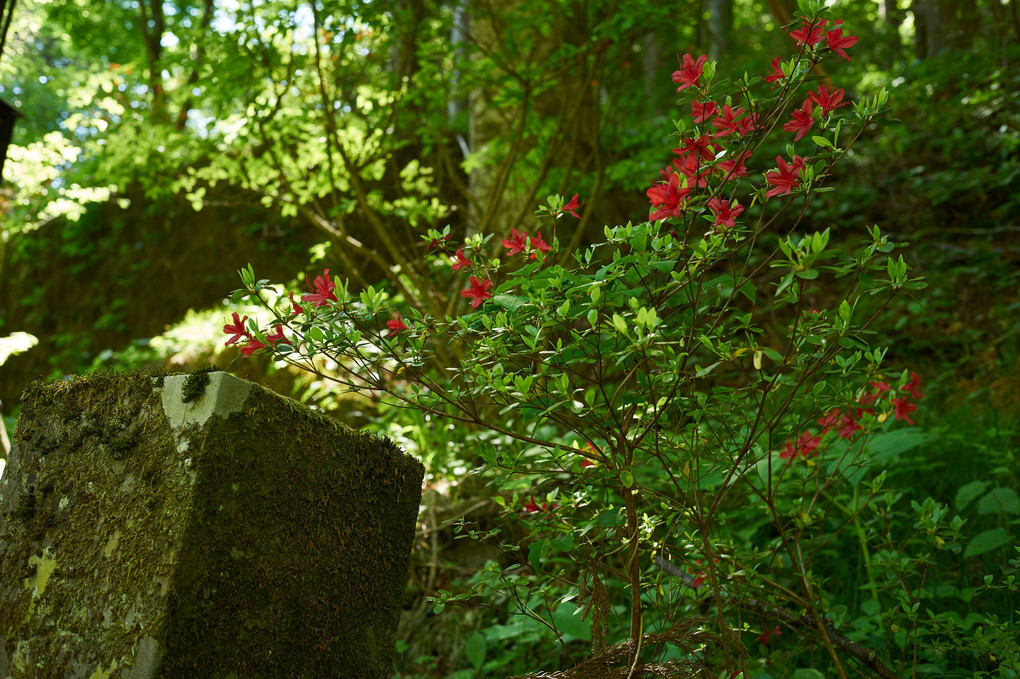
[(198, 527)]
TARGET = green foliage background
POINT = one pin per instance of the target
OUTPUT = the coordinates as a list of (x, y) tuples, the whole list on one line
[(165, 145)]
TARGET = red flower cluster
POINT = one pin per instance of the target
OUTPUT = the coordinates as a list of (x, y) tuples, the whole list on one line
[(724, 213), (690, 71), (699, 578), (668, 198), (802, 120), (769, 633), (697, 155), (811, 34), (396, 325), (532, 507), (519, 242), (321, 290), (461, 261), (571, 208), (238, 331), (786, 178), (478, 292), (846, 422), (777, 71), (902, 406), (806, 446)]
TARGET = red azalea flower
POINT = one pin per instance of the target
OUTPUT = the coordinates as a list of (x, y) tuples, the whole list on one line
[(298, 309), (702, 146), (801, 121), (808, 33), (837, 42), (277, 337), (770, 632), (668, 198), (253, 345), (777, 71), (848, 425), (702, 111), (439, 243), (829, 420), (902, 409), (828, 100), (726, 121), (877, 389), (724, 214), (699, 577), (736, 168), (461, 260), (321, 290), (689, 72), (532, 507), (807, 444), (396, 325), (479, 290), (517, 242), (911, 386), (572, 207), (786, 178), (236, 329), (690, 166), (749, 123), (539, 244)]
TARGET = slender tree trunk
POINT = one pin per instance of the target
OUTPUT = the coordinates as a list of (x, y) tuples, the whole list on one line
[(198, 61), (153, 25), (5, 443), (889, 14), (720, 27)]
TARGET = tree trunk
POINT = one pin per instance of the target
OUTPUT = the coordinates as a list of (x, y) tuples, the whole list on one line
[(152, 35), (720, 27)]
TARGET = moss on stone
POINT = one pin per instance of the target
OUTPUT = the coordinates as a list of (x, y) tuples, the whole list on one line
[(195, 384), (269, 543)]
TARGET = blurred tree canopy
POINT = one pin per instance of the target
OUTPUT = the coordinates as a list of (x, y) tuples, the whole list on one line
[(366, 124)]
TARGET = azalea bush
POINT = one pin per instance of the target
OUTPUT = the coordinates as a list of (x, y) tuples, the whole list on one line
[(634, 397)]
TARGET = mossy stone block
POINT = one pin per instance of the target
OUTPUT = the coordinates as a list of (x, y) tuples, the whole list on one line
[(198, 526)]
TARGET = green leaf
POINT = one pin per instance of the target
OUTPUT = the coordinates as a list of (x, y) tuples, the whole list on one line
[(808, 275), (888, 445), (610, 517), (987, 541), (1000, 500), (569, 623), (511, 302), (640, 241), (619, 323), (474, 649), (701, 372), (564, 543), (966, 494), (822, 141), (627, 478), (536, 552)]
